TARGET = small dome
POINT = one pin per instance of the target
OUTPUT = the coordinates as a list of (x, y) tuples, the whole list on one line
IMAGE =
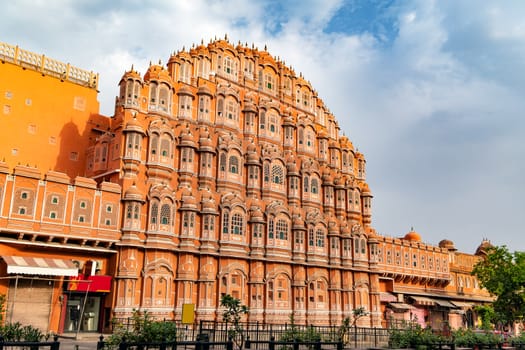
[(288, 120), (256, 215), (133, 125), (412, 236), (484, 247), (373, 237), (249, 106), (322, 134), (133, 194), (186, 138), (298, 222), (131, 75), (204, 90), (157, 72), (185, 90), (291, 167), (365, 190), (208, 203), (252, 158), (188, 200), (447, 244)]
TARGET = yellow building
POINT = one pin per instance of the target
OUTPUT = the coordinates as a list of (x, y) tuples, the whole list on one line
[(58, 229), (235, 179)]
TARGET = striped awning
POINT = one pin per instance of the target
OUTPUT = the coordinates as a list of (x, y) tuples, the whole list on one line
[(26, 265), (426, 301), (400, 307), (423, 300), (445, 303), (462, 304)]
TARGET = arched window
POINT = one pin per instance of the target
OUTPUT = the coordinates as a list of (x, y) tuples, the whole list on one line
[(136, 212), (282, 229), (277, 174), (266, 173), (222, 162), (164, 101), (204, 108), (237, 224), (165, 147), (225, 221), (165, 214), (153, 93), (305, 183), (270, 228), (154, 212), (311, 238), (234, 165), (154, 144), (262, 120), (220, 107), (315, 186), (232, 110), (319, 236)]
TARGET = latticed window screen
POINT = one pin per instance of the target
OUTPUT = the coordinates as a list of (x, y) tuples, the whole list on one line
[(165, 212), (237, 224), (277, 174), (319, 235), (154, 213), (282, 229)]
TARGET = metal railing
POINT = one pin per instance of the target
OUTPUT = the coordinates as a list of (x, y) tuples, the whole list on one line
[(32, 345), (216, 331)]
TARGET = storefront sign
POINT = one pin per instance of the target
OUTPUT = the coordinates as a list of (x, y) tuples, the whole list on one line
[(95, 283)]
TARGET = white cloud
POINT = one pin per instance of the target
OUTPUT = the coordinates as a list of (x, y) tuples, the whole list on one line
[(437, 109)]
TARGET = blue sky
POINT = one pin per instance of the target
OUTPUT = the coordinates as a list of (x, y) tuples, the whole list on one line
[(430, 91)]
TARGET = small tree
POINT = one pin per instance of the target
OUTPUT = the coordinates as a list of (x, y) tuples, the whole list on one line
[(487, 316), (502, 273), (232, 314), (349, 323)]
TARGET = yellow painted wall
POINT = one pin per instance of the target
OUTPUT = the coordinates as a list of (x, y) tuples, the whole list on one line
[(44, 119)]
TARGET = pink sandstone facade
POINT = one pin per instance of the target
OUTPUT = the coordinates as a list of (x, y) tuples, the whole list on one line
[(227, 174)]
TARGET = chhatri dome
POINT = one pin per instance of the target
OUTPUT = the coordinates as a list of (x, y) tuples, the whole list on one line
[(413, 236)]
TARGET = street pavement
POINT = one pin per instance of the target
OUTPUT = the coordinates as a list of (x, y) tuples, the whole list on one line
[(84, 341)]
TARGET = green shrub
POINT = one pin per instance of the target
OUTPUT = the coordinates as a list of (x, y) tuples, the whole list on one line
[(144, 330), (469, 338), (413, 337), (16, 332)]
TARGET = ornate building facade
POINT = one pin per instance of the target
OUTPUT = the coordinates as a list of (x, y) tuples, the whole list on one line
[(236, 180)]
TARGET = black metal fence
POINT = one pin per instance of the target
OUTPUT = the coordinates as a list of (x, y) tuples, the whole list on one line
[(293, 345), (194, 345), (31, 345), (215, 331)]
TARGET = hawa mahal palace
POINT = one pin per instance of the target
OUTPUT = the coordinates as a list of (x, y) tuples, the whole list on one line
[(220, 172)]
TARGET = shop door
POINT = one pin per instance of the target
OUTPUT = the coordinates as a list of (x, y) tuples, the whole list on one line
[(29, 302), (82, 314)]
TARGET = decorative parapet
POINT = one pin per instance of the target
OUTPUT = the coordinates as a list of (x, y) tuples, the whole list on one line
[(48, 66)]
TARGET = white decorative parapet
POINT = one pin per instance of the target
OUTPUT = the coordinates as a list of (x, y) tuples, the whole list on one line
[(47, 66)]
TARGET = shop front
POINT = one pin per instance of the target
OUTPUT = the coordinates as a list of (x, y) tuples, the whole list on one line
[(33, 286), (84, 300)]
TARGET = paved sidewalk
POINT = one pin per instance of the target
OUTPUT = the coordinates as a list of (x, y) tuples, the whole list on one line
[(84, 342)]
